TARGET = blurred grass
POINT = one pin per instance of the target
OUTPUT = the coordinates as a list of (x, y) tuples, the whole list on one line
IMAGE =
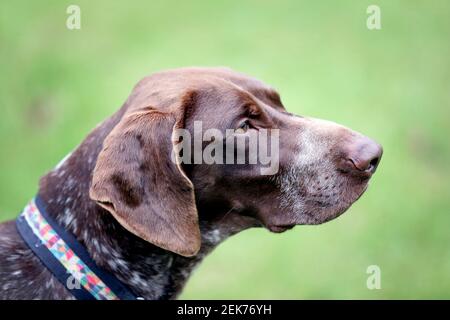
[(391, 84)]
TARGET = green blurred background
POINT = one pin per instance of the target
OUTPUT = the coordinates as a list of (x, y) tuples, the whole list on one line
[(392, 84)]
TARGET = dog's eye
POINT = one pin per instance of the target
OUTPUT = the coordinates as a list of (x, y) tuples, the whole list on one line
[(244, 126)]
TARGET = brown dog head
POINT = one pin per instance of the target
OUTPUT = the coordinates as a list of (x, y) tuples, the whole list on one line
[(161, 194)]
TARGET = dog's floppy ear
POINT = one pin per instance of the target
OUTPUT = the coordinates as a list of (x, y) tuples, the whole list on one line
[(137, 181)]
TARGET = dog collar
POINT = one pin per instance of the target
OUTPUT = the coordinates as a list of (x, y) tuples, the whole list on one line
[(66, 258)]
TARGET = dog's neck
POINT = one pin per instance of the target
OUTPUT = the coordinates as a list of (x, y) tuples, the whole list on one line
[(149, 271)]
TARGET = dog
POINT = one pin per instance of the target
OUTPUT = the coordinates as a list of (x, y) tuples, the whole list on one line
[(148, 220)]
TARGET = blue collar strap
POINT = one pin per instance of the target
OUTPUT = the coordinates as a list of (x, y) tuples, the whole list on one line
[(66, 258)]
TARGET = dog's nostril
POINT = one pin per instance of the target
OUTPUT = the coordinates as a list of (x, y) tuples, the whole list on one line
[(374, 163)]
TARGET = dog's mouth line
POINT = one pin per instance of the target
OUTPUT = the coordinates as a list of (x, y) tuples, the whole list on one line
[(312, 219), (280, 228)]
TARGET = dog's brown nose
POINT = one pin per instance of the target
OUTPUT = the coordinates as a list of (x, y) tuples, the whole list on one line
[(363, 156)]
